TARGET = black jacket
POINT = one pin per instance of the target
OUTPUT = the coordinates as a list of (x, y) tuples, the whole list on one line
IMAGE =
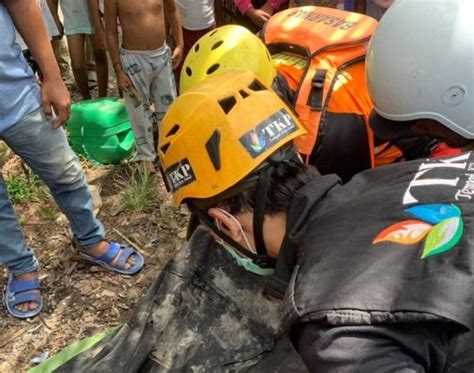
[(346, 271)]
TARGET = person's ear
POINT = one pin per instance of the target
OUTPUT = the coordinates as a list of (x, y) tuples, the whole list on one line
[(228, 226)]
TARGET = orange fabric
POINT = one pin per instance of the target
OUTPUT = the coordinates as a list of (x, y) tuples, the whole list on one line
[(314, 28), (386, 154), (331, 40)]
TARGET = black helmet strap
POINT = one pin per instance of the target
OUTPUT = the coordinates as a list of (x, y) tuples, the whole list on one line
[(263, 186)]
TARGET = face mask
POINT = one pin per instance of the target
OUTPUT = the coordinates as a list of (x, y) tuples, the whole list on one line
[(244, 262)]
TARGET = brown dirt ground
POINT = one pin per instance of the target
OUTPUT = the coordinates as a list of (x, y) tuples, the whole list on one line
[(80, 299)]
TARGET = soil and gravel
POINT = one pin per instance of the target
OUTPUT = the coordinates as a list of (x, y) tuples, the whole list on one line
[(80, 299)]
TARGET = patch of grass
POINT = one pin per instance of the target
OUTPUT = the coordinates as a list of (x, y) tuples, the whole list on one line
[(24, 189), (138, 194), (168, 211), (48, 213)]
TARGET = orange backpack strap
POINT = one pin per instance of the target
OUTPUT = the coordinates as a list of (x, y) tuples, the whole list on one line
[(311, 99)]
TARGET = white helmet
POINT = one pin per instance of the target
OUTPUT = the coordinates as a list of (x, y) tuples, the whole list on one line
[(420, 65)]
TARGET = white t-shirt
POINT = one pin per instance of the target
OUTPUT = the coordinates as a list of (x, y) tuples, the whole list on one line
[(48, 20), (196, 14)]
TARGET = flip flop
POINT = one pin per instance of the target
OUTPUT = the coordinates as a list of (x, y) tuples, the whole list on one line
[(124, 253), (20, 291)]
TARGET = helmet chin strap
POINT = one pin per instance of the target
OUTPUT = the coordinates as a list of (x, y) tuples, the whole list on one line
[(263, 186)]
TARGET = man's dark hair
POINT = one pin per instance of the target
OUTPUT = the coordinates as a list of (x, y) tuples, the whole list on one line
[(286, 178)]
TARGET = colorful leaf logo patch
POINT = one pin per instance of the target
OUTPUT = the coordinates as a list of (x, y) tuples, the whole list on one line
[(443, 237), (441, 224), (435, 213), (406, 232)]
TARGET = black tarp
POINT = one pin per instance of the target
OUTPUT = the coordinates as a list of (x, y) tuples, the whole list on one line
[(203, 313)]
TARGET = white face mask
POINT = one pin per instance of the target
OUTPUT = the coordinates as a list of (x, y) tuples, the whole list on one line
[(244, 262)]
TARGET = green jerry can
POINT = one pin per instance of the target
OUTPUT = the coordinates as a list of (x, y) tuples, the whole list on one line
[(100, 130)]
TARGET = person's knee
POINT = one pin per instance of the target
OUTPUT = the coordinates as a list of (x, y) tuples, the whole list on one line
[(71, 173), (65, 172)]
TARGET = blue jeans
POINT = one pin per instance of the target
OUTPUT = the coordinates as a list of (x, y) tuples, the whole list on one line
[(47, 152)]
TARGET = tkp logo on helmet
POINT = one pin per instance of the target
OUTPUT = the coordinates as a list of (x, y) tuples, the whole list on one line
[(441, 224), (179, 175), (269, 132)]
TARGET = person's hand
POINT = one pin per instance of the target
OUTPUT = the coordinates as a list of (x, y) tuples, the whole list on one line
[(267, 8), (126, 84), (258, 16), (176, 56), (123, 81), (56, 101)]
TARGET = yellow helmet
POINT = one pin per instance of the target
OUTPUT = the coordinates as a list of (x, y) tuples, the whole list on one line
[(216, 134), (224, 48)]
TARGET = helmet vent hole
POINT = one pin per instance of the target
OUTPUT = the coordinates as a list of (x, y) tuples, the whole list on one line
[(196, 47), (217, 45), (213, 149), (189, 72), (243, 93), (165, 147), (213, 33), (256, 86), (212, 69), (227, 103), (173, 130)]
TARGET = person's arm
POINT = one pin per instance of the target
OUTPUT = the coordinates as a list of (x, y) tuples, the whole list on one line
[(172, 15), (219, 12), (53, 8), (243, 5), (96, 23), (257, 16), (111, 37), (408, 348), (111, 33), (29, 22), (271, 5)]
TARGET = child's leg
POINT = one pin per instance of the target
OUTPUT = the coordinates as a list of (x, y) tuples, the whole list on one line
[(78, 63), (49, 155), (138, 108), (61, 53), (101, 64), (14, 252), (163, 87)]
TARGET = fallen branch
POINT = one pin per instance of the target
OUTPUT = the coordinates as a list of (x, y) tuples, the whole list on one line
[(134, 245)]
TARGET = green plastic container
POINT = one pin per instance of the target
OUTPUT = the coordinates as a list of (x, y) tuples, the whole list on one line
[(100, 130), (114, 151)]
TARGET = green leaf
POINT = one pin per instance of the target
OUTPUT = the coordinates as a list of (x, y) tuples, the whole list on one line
[(443, 237)]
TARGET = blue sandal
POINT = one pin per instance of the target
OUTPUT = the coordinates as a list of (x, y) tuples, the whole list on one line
[(20, 291), (124, 253)]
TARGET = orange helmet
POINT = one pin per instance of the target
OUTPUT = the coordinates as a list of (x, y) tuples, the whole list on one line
[(218, 132)]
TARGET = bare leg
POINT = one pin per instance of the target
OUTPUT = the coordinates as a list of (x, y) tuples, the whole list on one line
[(78, 63), (101, 64)]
